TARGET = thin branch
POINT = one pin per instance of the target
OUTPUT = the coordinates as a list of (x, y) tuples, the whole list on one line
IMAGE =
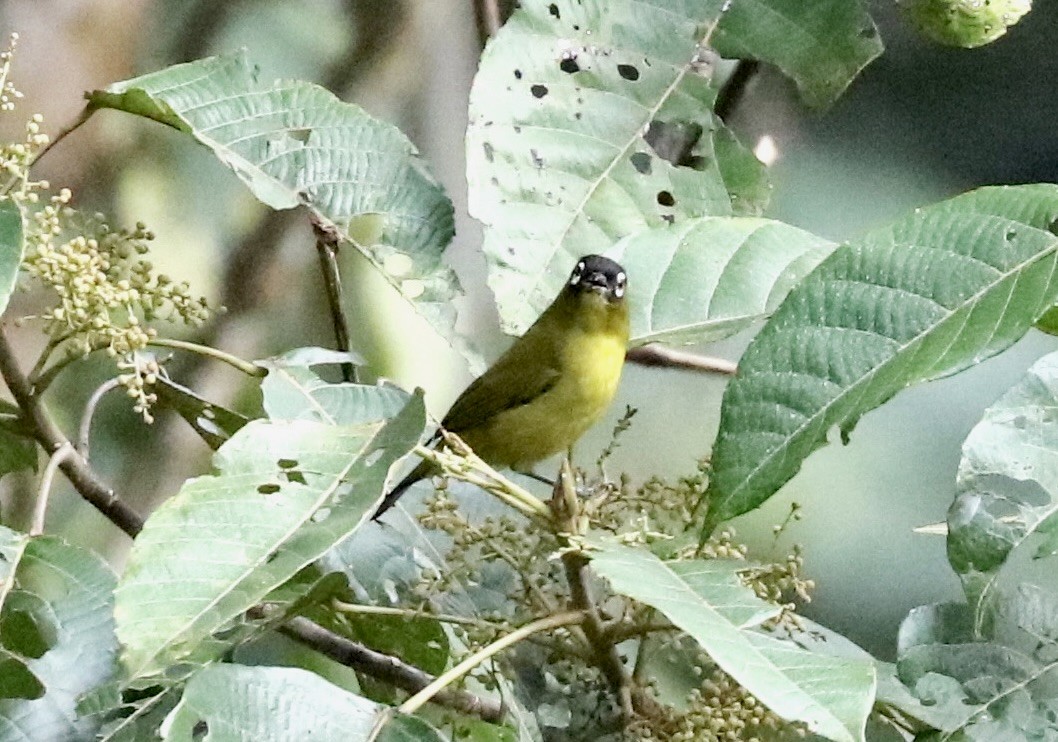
[(47, 433), (386, 668), (40, 508), (52, 141), (488, 19), (440, 684), (42, 379), (204, 350), (606, 655), (463, 464), (85, 429), (327, 241), (382, 610), (656, 355), (607, 658)]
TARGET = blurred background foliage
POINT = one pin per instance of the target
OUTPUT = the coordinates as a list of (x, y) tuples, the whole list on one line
[(922, 123)]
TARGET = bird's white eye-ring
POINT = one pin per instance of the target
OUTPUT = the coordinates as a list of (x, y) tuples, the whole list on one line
[(577, 272), (619, 285)]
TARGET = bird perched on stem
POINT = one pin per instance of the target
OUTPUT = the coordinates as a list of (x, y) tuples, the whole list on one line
[(551, 385)]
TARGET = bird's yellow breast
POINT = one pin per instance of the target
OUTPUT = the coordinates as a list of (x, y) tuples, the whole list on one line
[(591, 362)]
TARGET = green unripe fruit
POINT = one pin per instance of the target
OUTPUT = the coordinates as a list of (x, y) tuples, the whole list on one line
[(965, 23)]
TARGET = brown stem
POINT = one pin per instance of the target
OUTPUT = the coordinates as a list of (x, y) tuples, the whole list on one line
[(606, 655), (47, 433), (386, 668), (327, 241), (565, 506), (487, 17), (661, 356)]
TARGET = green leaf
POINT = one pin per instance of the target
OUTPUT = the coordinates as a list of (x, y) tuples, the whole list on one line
[(964, 24), (1048, 322), (278, 704), (16, 679), (57, 636), (998, 681), (133, 717), (293, 143), (588, 122), (414, 729), (420, 642), (17, 452), (285, 493), (1008, 483), (821, 45), (706, 279), (293, 391), (213, 423), (940, 290), (705, 598), (12, 243)]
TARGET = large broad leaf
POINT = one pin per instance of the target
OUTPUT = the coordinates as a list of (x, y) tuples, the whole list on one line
[(279, 704), (821, 45), (831, 696), (706, 279), (285, 493), (293, 143), (56, 629), (946, 287), (593, 120), (568, 99), (1008, 481), (997, 684)]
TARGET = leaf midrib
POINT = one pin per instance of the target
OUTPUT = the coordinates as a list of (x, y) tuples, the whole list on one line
[(897, 356), (262, 558), (749, 650)]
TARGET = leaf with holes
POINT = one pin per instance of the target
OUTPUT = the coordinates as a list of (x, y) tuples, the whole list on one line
[(592, 121), (285, 493), (706, 279), (56, 636), (940, 290), (995, 681), (264, 703), (832, 696), (293, 143), (1007, 483), (588, 122), (213, 423)]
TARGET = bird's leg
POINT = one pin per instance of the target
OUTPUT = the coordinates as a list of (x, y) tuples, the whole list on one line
[(528, 472)]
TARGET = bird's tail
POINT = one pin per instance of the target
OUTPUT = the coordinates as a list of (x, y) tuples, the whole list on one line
[(423, 470)]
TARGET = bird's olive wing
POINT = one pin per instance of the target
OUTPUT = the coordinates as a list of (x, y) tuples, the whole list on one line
[(512, 381)]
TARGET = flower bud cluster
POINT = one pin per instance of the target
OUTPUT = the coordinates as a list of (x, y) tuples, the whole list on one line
[(106, 292), (141, 374), (723, 710), (102, 281)]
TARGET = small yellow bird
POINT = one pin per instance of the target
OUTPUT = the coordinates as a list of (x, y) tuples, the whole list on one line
[(549, 387)]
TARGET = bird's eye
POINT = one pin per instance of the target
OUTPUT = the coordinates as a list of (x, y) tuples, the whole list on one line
[(575, 278), (619, 285)]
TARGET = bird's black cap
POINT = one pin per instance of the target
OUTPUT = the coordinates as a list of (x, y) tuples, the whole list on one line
[(596, 273)]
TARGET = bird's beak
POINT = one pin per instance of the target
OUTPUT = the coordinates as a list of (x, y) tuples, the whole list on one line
[(596, 282)]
